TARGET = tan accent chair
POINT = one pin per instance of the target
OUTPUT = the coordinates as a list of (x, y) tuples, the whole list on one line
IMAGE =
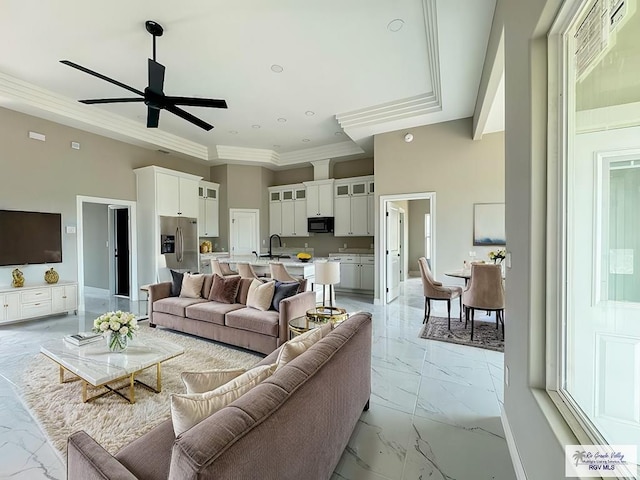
[(436, 291), (485, 292), (246, 270)]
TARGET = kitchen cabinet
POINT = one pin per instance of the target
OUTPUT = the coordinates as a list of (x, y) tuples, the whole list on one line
[(208, 209), (160, 192), (320, 198), (176, 195), (288, 211), (356, 271), (354, 207)]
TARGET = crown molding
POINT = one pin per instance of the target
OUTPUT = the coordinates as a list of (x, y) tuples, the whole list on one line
[(243, 154), (323, 152), (94, 119), (386, 116), (270, 158)]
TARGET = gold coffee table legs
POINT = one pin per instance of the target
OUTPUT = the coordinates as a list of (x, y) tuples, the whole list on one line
[(130, 384)]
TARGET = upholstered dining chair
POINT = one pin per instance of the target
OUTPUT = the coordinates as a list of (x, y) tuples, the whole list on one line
[(485, 292), (279, 272), (436, 291), (246, 270), (221, 269)]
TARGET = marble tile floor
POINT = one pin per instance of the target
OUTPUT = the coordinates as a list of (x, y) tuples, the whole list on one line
[(435, 407)]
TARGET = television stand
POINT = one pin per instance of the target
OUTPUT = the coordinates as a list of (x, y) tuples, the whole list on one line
[(37, 300)]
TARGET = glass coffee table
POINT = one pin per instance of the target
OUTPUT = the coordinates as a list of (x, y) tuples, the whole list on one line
[(94, 365)]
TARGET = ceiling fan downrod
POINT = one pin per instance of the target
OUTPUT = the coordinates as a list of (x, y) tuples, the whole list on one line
[(156, 30)]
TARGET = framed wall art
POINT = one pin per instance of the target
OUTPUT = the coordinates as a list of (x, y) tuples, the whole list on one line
[(488, 224)]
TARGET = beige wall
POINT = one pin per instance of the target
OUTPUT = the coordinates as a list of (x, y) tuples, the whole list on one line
[(47, 176), (444, 159), (353, 168), (292, 175), (242, 186)]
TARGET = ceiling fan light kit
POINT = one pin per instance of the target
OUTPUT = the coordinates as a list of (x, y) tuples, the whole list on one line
[(153, 95)]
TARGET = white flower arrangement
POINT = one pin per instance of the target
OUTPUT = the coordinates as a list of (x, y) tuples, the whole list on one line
[(122, 323)]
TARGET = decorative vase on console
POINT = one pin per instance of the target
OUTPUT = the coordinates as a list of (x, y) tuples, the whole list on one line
[(51, 276), (18, 279)]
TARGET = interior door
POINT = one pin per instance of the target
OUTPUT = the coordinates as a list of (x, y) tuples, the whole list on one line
[(393, 252), (244, 231), (121, 252)]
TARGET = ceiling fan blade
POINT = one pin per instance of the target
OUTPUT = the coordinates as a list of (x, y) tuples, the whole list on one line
[(188, 117), (111, 100), (196, 102), (156, 77), (153, 116), (102, 77)]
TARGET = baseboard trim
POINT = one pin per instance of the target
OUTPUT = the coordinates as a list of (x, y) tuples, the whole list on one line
[(511, 445)]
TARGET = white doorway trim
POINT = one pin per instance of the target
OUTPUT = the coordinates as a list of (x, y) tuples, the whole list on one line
[(133, 243), (233, 211), (381, 271)]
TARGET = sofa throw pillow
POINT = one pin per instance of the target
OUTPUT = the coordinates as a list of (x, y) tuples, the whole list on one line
[(297, 346), (188, 410), (176, 283), (200, 382), (260, 294), (283, 290), (224, 289), (192, 285)]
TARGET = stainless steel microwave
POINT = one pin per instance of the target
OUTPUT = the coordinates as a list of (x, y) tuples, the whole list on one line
[(320, 225)]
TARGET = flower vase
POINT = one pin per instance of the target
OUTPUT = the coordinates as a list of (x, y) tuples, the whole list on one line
[(117, 343)]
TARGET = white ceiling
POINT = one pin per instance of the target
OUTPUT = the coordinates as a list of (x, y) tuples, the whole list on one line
[(341, 60)]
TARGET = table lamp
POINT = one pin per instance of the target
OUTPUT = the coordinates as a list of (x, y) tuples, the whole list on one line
[(327, 273)]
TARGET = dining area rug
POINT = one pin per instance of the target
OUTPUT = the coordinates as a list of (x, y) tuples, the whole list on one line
[(485, 334)]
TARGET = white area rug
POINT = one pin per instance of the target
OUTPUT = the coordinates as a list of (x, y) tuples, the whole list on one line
[(111, 420)]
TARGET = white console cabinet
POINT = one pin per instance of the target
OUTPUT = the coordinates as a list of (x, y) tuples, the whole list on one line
[(37, 301)]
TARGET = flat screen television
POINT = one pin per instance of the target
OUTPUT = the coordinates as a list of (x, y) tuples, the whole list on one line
[(30, 237)]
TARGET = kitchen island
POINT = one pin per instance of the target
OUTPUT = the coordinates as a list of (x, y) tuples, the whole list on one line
[(261, 265), (295, 267)]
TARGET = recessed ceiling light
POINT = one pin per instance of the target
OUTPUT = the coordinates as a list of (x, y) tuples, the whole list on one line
[(395, 25), (338, 134), (306, 140), (276, 146), (309, 113), (233, 132), (255, 126), (282, 120), (276, 68)]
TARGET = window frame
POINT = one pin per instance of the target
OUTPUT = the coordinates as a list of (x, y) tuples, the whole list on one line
[(560, 149)]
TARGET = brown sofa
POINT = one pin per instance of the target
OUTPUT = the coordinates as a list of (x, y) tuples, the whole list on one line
[(235, 323), (293, 425)]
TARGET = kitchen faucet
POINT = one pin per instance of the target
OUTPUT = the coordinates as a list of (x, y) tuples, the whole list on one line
[(271, 241)]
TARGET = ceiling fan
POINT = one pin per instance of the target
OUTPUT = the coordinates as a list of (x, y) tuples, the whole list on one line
[(153, 96)]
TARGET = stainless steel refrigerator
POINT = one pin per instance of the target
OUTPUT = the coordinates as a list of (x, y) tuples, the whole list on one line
[(179, 243)]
